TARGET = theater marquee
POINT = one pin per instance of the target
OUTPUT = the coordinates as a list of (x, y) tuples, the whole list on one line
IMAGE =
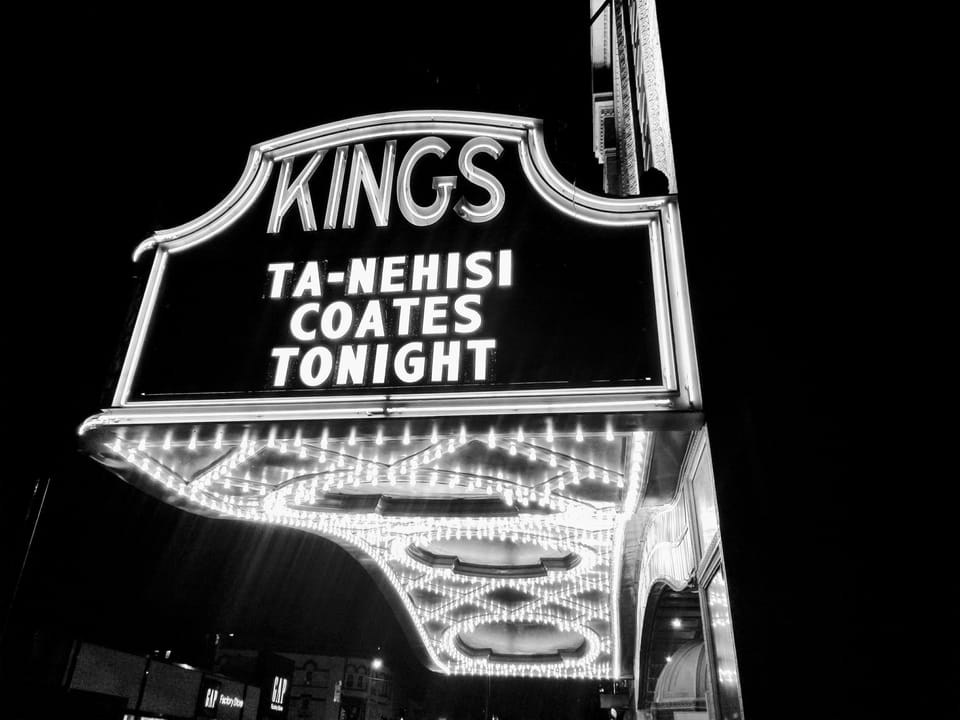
[(412, 263), (408, 334)]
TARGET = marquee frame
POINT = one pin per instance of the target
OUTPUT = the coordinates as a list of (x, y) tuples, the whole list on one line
[(680, 389)]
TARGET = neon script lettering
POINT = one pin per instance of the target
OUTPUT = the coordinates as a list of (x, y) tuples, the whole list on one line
[(297, 191)]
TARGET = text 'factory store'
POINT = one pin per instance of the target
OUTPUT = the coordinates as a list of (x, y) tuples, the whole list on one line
[(407, 333)]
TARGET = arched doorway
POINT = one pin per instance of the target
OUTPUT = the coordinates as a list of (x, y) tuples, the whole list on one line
[(672, 624), (681, 692)]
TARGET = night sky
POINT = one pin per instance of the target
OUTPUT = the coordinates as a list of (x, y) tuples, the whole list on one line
[(121, 134)]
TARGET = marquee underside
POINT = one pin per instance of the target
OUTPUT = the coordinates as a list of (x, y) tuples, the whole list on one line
[(497, 539)]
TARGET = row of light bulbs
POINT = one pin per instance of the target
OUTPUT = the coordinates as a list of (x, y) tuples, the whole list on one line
[(274, 440), (590, 530), (414, 469)]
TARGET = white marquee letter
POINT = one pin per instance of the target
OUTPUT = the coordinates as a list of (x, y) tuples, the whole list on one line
[(371, 321), (378, 194), (434, 309), (453, 271), (493, 206), (296, 322), (480, 350), (336, 320), (380, 364), (362, 276), (298, 192), (309, 280), (320, 357), (416, 214), (425, 268), (482, 274), (391, 279), (505, 268), (283, 355), (416, 366), (279, 271), (336, 182), (471, 316), (353, 364), (406, 305), (449, 360)]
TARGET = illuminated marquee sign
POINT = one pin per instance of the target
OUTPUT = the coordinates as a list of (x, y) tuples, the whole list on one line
[(409, 334), (451, 361), (423, 262)]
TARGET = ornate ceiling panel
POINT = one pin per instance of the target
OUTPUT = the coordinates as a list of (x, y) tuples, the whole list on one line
[(501, 546)]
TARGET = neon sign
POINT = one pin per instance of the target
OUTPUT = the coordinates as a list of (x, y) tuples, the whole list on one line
[(378, 191), (412, 256)]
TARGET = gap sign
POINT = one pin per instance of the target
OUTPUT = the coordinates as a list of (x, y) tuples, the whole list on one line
[(404, 254)]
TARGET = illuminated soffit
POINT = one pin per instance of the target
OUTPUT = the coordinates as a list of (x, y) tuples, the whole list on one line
[(501, 546)]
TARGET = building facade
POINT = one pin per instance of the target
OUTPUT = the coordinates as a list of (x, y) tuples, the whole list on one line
[(328, 687), (104, 682), (679, 584)]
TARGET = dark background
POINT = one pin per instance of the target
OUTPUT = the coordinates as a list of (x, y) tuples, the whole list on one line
[(122, 126)]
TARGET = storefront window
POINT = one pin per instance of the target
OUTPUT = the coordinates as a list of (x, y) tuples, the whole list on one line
[(721, 628), (705, 499)]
